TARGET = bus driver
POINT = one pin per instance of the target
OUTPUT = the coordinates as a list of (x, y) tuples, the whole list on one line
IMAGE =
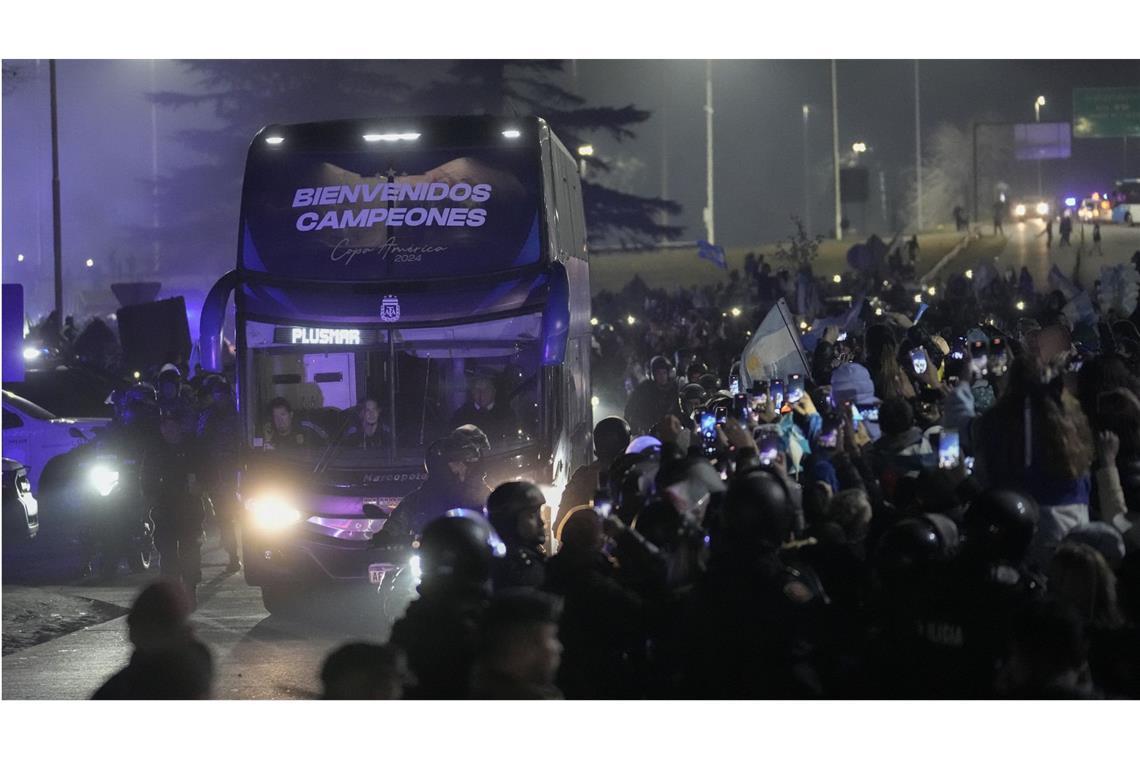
[(482, 409)]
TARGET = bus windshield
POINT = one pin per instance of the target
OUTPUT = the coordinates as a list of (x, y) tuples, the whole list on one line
[(392, 212), (382, 402)]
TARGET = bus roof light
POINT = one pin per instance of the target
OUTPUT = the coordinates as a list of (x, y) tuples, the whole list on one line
[(511, 133), (274, 139), (391, 136)]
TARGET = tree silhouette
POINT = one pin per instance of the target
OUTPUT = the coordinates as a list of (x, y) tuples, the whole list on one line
[(198, 204), (530, 88)]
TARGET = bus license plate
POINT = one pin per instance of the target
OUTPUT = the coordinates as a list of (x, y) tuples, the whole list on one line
[(376, 574)]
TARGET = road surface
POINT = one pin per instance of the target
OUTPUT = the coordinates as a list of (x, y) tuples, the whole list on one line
[(1025, 246), (62, 639)]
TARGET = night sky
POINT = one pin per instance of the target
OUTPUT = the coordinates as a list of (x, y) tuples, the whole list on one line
[(108, 149)]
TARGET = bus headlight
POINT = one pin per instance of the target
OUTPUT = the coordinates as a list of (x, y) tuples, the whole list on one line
[(103, 479), (1019, 210), (1043, 208), (273, 512), (414, 567)]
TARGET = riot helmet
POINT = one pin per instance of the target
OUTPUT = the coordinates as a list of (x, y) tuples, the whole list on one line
[(660, 363), (611, 436), (510, 500), (759, 512), (999, 525), (458, 549), (915, 544)]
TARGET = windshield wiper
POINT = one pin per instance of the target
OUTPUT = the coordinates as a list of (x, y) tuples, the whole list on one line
[(326, 455)]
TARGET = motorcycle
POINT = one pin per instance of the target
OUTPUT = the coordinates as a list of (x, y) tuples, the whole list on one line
[(116, 525)]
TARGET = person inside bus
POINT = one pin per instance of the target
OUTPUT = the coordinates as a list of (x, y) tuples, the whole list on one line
[(284, 432), (368, 432), (483, 409)]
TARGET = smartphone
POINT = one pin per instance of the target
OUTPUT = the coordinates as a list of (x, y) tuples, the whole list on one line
[(828, 435), (969, 462), (603, 502), (740, 408), (721, 414), (734, 386), (706, 421), (979, 357), (853, 410), (868, 412), (769, 445), (795, 387), (918, 361), (842, 337), (949, 451), (776, 389), (759, 393)]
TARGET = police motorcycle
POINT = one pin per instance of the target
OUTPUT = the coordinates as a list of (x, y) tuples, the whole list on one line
[(115, 524)]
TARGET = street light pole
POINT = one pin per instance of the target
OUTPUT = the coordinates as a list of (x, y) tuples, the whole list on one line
[(835, 153), (807, 173), (917, 149), (710, 229), (1037, 116), (55, 214)]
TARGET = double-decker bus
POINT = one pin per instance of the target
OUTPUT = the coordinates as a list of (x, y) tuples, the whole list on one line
[(414, 262), (1126, 201)]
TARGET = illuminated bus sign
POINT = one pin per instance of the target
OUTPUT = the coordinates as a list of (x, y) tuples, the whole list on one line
[(374, 213), (324, 336)]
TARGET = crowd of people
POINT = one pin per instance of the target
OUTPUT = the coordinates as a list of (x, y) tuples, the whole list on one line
[(934, 506)]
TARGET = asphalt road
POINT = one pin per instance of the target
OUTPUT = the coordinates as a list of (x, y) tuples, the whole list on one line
[(63, 638), (1025, 246)]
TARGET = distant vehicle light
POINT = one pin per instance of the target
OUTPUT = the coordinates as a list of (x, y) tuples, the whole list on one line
[(1019, 210), (837, 279), (931, 290), (1070, 202), (137, 374), (736, 311), (391, 136), (511, 133), (918, 297), (31, 354), (1042, 208), (593, 321), (90, 263), (631, 320), (275, 140), (969, 274), (585, 150), (1020, 305)]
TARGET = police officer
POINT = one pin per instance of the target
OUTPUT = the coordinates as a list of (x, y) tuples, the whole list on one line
[(131, 433), (653, 398), (174, 398), (172, 483), (219, 435), (515, 511), (611, 437), (752, 622), (440, 630), (455, 479)]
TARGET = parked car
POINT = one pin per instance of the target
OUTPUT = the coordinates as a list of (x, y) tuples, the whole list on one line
[(21, 512), (68, 391), (35, 436)]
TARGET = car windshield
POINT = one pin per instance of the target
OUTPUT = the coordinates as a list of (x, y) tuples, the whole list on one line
[(385, 400), (27, 407)]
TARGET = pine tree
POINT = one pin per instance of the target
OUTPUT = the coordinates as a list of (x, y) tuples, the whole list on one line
[(530, 87)]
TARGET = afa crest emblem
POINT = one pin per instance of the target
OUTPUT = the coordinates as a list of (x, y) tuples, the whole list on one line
[(390, 309)]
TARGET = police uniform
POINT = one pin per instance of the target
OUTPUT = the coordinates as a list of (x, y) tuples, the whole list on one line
[(172, 477), (219, 437)]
